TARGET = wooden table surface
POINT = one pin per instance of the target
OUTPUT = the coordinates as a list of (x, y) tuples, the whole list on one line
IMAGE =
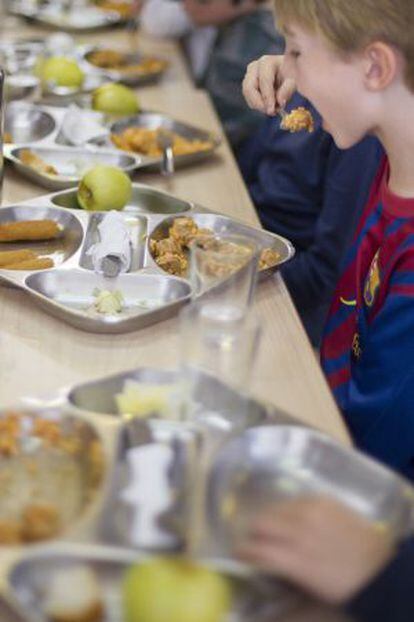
[(39, 354)]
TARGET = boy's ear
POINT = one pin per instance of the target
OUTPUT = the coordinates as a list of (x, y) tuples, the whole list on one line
[(381, 63)]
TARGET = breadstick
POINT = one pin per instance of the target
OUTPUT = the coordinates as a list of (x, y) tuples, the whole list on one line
[(10, 257), (31, 264), (29, 230)]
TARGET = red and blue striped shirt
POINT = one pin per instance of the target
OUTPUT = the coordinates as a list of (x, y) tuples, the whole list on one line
[(368, 346)]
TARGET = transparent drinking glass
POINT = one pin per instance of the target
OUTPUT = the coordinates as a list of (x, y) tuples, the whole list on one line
[(223, 268), (218, 346)]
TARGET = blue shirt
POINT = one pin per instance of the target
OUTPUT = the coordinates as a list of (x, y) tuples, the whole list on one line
[(312, 193)]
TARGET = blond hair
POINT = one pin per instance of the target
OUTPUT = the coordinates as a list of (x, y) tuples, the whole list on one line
[(350, 25)]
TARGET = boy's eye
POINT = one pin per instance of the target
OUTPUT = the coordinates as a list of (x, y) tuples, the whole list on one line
[(294, 54)]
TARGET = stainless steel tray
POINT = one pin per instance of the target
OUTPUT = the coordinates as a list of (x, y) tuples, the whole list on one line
[(63, 95), (85, 474), (34, 125), (86, 19), (259, 600), (154, 121), (210, 477), (69, 162), (128, 78), (150, 293)]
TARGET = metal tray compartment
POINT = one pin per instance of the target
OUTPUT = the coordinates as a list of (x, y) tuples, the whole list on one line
[(60, 249), (271, 463), (145, 200), (26, 123), (137, 227), (253, 601), (55, 450), (70, 163), (130, 78), (61, 95), (99, 396), (153, 121), (67, 294), (220, 225)]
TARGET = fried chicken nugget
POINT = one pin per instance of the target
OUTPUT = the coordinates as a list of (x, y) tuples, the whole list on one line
[(11, 257), (24, 230), (40, 263), (298, 120)]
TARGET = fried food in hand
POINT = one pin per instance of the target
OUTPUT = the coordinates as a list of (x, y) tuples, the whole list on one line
[(26, 156), (40, 263), (23, 230), (11, 257), (297, 120), (145, 141)]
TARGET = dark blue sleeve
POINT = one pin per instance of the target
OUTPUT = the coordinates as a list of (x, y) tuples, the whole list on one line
[(380, 408), (347, 179), (390, 597), (310, 192)]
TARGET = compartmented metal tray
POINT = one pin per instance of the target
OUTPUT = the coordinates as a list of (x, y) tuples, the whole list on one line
[(63, 95), (150, 294), (43, 451), (37, 128), (85, 19), (131, 78), (70, 163), (92, 541), (40, 126), (213, 486), (259, 600), (155, 121)]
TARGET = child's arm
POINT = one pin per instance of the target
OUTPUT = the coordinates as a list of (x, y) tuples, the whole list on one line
[(319, 544), (312, 274), (163, 18)]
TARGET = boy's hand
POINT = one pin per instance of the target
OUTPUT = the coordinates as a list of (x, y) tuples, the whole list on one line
[(265, 88), (320, 545), (217, 12)]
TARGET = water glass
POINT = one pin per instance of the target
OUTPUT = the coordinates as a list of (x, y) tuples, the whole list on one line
[(218, 345), (223, 268)]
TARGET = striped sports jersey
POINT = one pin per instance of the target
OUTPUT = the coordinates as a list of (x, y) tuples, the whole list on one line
[(368, 346)]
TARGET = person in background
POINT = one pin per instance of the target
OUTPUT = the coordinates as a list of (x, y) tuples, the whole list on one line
[(355, 62), (220, 38), (312, 193), (337, 556)]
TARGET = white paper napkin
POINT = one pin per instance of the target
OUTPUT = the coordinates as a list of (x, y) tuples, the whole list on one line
[(114, 241), (149, 493), (79, 126)]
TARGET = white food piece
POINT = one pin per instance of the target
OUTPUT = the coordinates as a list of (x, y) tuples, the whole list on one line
[(71, 592)]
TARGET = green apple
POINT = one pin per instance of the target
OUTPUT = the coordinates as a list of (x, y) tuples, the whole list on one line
[(175, 590), (115, 99), (61, 71), (104, 188)]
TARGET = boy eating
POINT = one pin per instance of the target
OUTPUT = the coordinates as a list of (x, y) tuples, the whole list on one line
[(354, 60)]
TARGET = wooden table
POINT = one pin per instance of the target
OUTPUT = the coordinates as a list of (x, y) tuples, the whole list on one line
[(39, 354)]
